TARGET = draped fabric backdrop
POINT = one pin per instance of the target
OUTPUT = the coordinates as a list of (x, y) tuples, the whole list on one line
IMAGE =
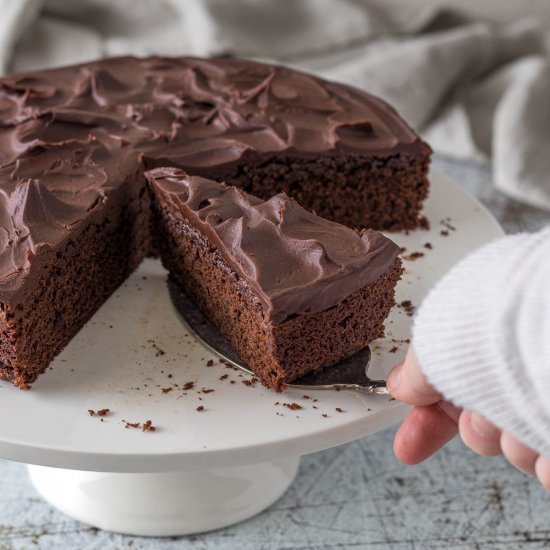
[(472, 88)]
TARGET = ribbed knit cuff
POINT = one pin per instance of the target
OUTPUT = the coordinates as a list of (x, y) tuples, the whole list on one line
[(466, 339)]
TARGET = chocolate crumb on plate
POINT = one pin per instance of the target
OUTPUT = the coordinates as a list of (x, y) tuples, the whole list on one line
[(200, 408), (148, 427), (131, 424), (100, 412), (447, 223), (413, 256), (408, 306)]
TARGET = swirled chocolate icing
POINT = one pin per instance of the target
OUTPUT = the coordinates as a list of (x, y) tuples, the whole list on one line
[(295, 261), (70, 136)]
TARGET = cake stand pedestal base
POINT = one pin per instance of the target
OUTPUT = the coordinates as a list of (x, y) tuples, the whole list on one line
[(165, 504)]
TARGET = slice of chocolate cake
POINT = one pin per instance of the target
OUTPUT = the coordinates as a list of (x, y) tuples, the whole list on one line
[(291, 291)]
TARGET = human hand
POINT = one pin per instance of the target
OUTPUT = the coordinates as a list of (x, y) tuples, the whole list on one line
[(433, 422)]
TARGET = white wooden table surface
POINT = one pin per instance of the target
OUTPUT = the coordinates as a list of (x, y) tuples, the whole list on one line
[(353, 497)]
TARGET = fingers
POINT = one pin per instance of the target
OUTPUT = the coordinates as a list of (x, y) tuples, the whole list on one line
[(479, 434), (542, 471), (407, 383), (518, 454), (425, 430), (487, 440)]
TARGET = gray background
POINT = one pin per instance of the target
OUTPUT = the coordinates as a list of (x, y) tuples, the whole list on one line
[(356, 496)]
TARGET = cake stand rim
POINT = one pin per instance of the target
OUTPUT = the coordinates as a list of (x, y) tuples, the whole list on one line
[(61, 457)]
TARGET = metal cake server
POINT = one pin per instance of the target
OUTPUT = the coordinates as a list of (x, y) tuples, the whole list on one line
[(348, 374)]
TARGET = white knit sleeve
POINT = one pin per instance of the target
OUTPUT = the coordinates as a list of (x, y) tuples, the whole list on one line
[(482, 336)]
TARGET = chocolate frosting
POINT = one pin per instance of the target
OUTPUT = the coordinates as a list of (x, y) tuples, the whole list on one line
[(295, 261), (70, 136)]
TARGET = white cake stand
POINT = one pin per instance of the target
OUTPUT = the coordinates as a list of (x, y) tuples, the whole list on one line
[(199, 470)]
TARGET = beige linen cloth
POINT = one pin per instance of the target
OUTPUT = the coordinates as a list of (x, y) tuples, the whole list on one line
[(473, 89)]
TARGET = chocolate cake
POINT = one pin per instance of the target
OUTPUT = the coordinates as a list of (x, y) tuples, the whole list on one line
[(75, 214), (291, 291)]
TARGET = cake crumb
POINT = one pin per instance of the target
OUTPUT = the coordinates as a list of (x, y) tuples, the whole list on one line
[(131, 424), (401, 341), (444, 233), (158, 350), (148, 427), (324, 415), (200, 408), (100, 412), (413, 256), (292, 406), (188, 386), (429, 246), (447, 224), (224, 377), (210, 363), (207, 390), (339, 409), (394, 349), (167, 390), (408, 306)]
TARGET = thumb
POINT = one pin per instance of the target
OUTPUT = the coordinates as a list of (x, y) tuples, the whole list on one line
[(407, 383)]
